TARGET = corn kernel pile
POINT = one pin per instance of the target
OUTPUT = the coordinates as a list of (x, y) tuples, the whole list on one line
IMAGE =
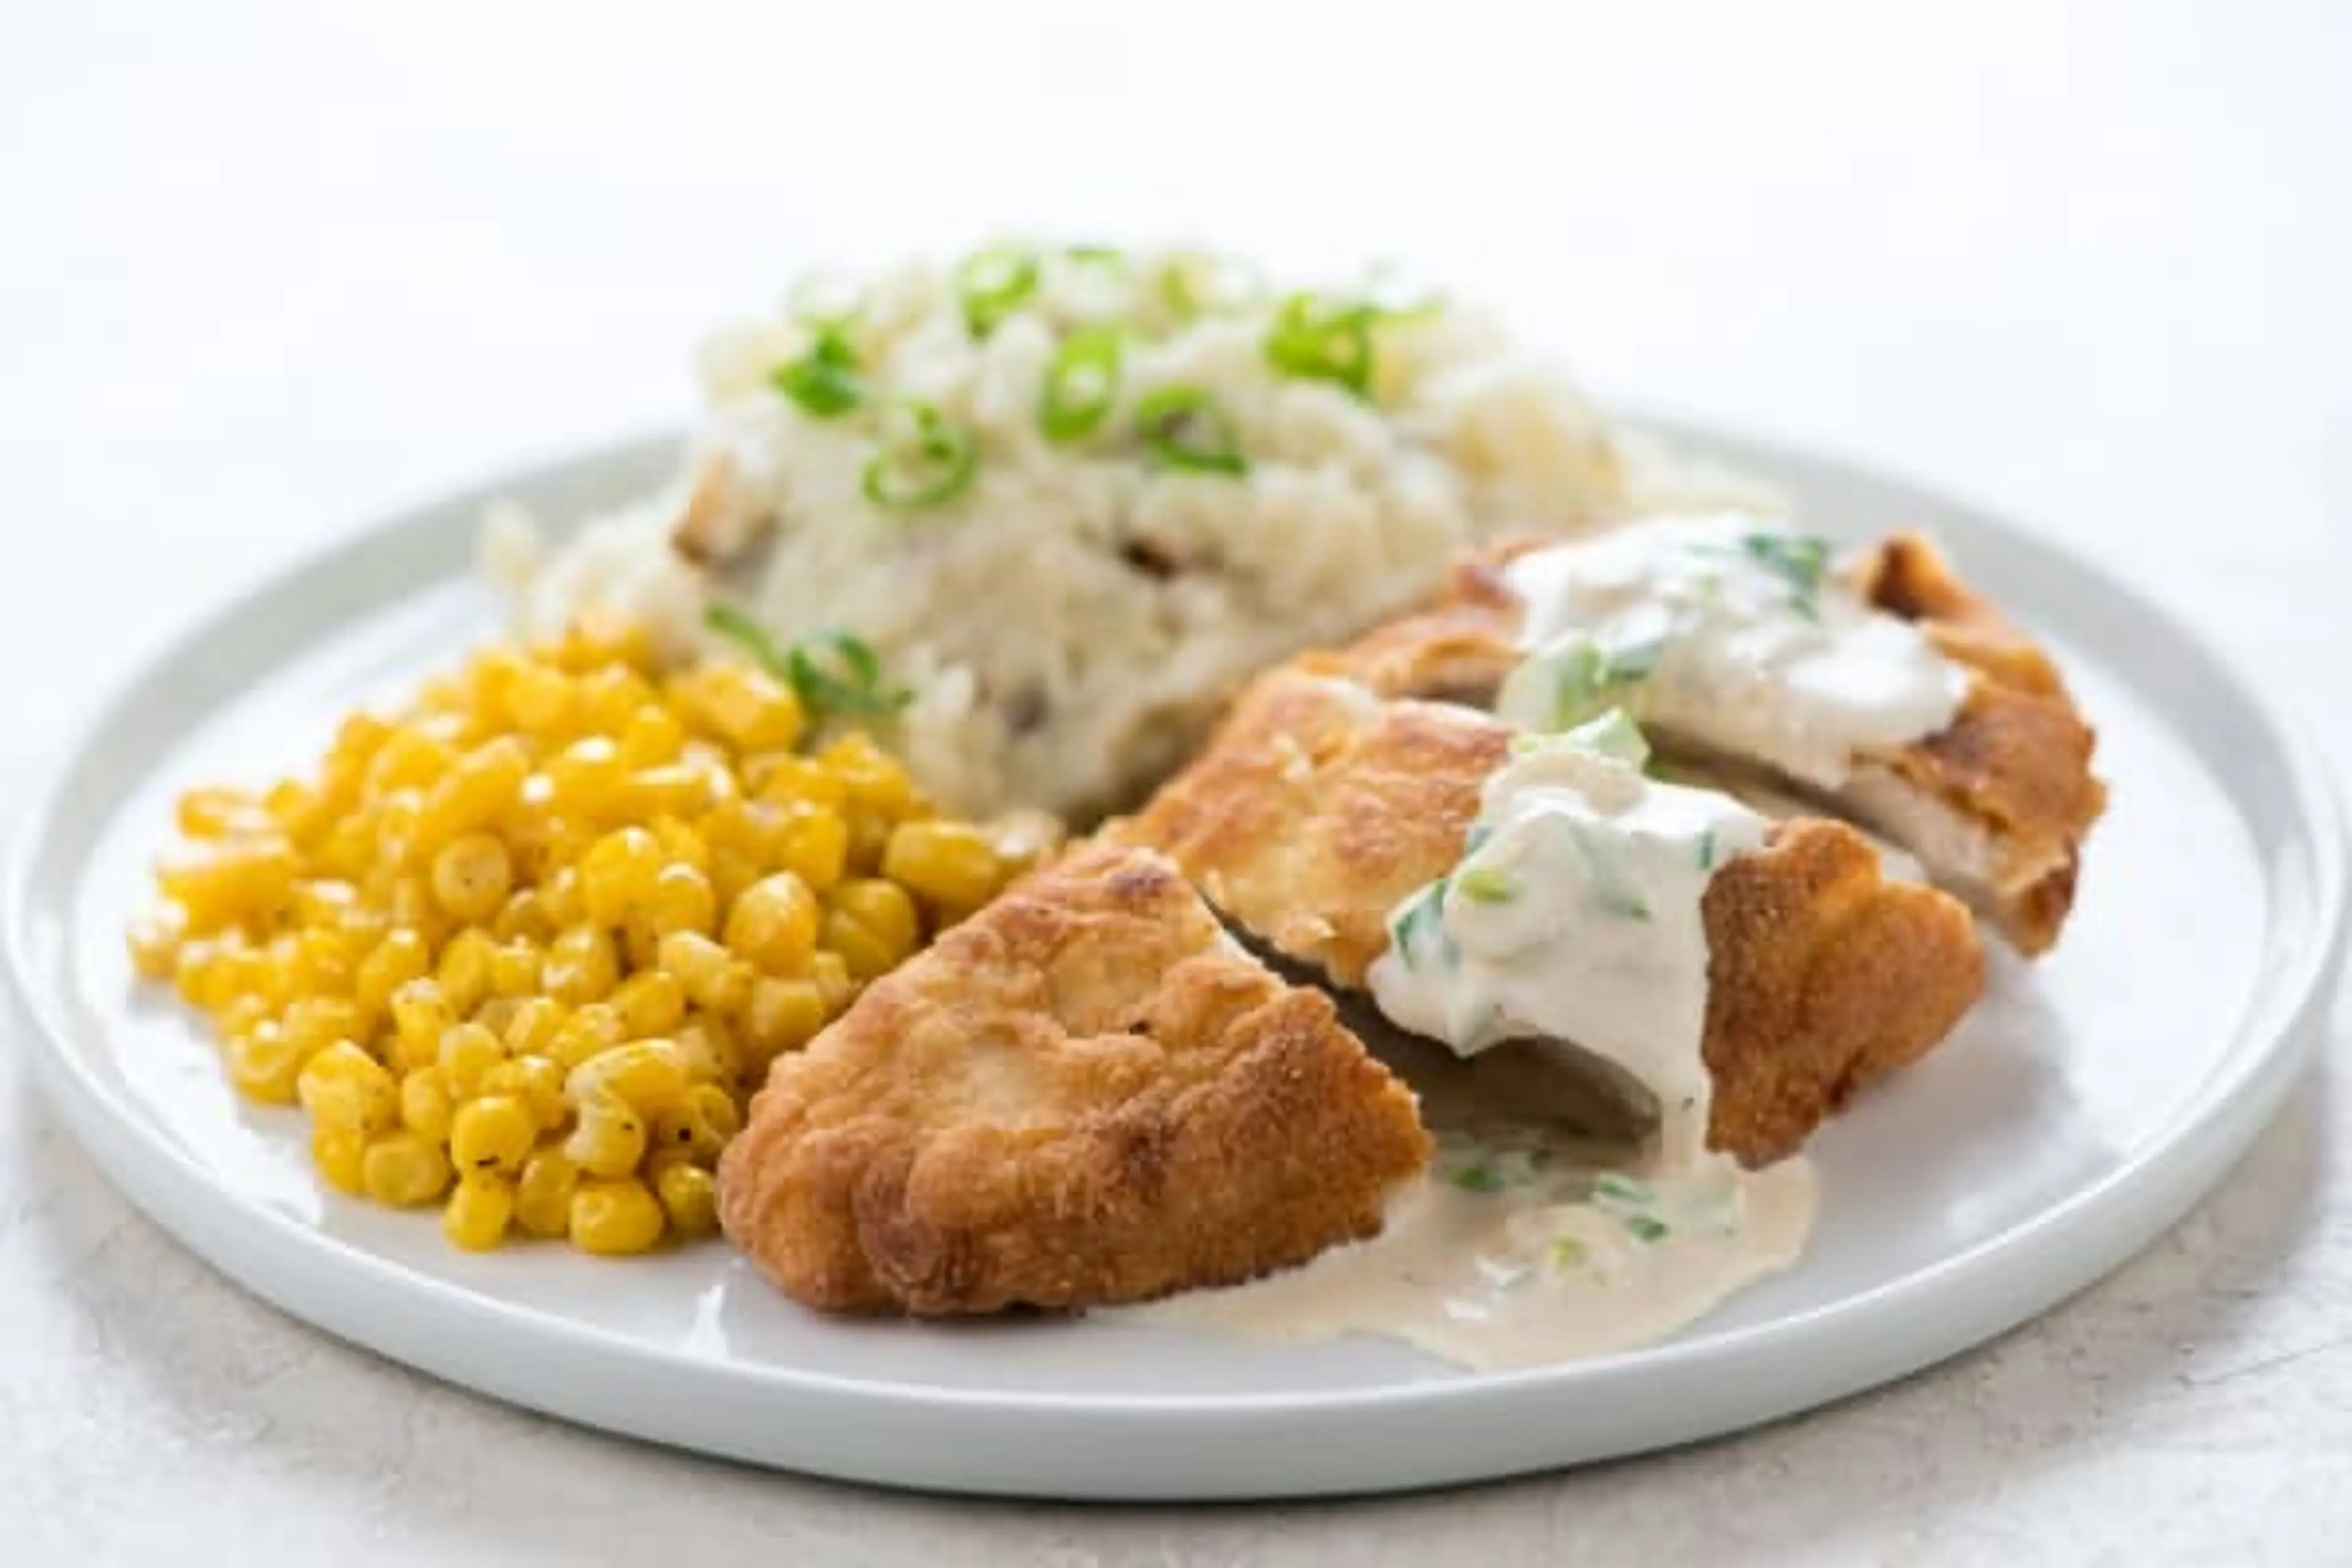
[(524, 949)]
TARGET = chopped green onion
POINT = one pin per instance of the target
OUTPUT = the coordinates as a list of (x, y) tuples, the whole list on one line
[(1185, 429), (1575, 677), (825, 382), (1478, 1179), (1706, 850), (834, 674), (1614, 735), (1081, 384), (1646, 1228), (1621, 1189), (1796, 559), (924, 461), (1488, 885), (1423, 913), (993, 284), (1096, 255), (1320, 341), (1192, 283), (1567, 1252)]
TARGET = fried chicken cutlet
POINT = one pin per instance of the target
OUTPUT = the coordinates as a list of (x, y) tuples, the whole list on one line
[(1995, 805), (1318, 808), (1086, 1094)]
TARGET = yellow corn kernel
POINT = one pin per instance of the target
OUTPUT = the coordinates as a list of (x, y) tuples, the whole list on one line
[(537, 1082), (812, 845), (649, 1002), (710, 976), (615, 1218), (402, 957), (476, 790), (410, 758), (324, 901), (419, 1014), (323, 959), (468, 1050), (654, 736), (682, 900), (340, 1152), (773, 925), (689, 1199), (877, 785), (478, 1211), (463, 972), (882, 908), (681, 844), (581, 966), (514, 969), (494, 1132), (742, 704), (155, 941), (589, 1030), (342, 1086), (315, 1023), (709, 1050), (617, 873), (731, 871), (679, 789), (538, 700), (952, 864), (496, 1013), (426, 1106), (609, 698), (262, 1065), (532, 1031), (780, 1015), (588, 780), (698, 1125), (646, 1075), (402, 1170), (219, 883), (596, 640), (559, 899), (543, 1192), (784, 779), (214, 812), (411, 907), (239, 1014), (608, 1139), (868, 956), (471, 876), (640, 944), (834, 982), (523, 918)]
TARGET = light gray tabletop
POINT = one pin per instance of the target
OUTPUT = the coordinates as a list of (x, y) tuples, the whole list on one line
[(267, 271)]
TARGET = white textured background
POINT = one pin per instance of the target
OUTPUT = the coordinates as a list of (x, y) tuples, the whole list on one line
[(267, 270)]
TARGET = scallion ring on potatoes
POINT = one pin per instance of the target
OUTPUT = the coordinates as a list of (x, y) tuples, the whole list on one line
[(1321, 340), (923, 460), (1185, 428), (1081, 384), (993, 284)]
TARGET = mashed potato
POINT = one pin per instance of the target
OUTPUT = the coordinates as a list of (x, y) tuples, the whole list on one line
[(1072, 498)]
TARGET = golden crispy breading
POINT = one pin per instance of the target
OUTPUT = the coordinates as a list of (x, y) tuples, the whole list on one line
[(1822, 977), (1085, 1094), (1316, 808), (1996, 805)]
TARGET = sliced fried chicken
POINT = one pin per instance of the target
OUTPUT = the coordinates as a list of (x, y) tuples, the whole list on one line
[(1086, 1094), (1317, 807)]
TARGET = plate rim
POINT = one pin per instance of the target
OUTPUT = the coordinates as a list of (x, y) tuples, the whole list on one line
[(2271, 1040)]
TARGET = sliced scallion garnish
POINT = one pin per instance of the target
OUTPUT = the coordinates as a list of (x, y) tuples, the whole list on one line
[(1081, 384), (825, 382), (993, 285), (1799, 560), (1185, 428), (1488, 885), (1322, 340), (834, 674), (1478, 1179), (1646, 1228), (923, 461)]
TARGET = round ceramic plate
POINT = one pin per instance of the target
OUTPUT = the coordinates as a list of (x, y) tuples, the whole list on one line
[(2080, 1111)]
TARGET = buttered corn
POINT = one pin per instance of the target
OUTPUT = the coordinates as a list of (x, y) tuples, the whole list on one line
[(523, 950)]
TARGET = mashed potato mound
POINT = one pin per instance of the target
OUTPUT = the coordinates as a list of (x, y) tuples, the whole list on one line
[(1072, 498)]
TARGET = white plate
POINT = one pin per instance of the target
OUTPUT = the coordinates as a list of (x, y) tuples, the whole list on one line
[(2084, 1106)]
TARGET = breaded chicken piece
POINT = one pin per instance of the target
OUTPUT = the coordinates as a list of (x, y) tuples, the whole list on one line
[(1995, 806), (1086, 1094), (1317, 807)]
